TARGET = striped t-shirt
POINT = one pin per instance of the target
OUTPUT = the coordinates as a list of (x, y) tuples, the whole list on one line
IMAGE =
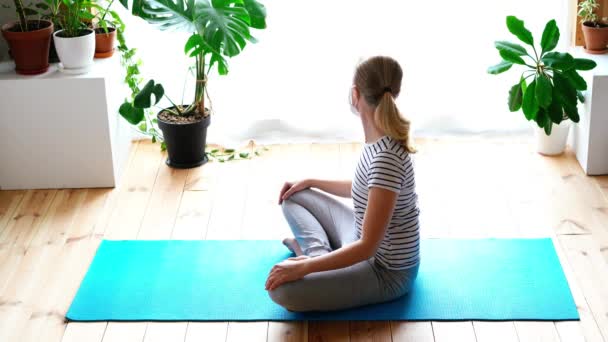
[(386, 164)]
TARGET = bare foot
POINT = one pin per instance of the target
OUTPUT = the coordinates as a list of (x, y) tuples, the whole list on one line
[(293, 246)]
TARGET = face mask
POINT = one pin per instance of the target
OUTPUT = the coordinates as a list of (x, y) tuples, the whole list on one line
[(353, 108)]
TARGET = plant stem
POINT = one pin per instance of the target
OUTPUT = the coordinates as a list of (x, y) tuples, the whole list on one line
[(201, 80), (535, 54), (21, 14), (106, 11)]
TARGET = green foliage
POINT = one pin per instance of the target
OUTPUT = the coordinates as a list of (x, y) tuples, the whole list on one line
[(142, 118), (517, 27), (550, 36), (73, 17), (107, 18), (46, 10), (228, 154), (555, 87), (500, 68), (515, 97), (50, 10), (219, 29), (143, 99), (586, 10)]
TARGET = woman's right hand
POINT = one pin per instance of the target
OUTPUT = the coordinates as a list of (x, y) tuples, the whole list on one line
[(290, 188)]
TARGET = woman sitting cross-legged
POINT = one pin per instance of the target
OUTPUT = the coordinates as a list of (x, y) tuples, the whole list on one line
[(347, 258)]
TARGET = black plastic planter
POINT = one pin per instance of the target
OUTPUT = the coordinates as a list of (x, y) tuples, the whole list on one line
[(185, 143)]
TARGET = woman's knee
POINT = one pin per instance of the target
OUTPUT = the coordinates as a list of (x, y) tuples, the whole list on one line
[(303, 196), (284, 296), (300, 198)]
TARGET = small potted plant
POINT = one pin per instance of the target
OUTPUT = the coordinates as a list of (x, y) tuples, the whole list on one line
[(29, 41), (219, 30), (595, 32), (75, 42), (549, 87), (108, 21)]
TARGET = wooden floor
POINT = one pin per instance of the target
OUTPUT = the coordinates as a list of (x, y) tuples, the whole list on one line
[(468, 187)]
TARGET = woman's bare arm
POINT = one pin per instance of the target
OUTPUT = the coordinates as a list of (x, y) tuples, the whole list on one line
[(340, 188)]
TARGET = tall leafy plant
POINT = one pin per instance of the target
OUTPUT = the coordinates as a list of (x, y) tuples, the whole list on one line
[(550, 85), (219, 29), (73, 17)]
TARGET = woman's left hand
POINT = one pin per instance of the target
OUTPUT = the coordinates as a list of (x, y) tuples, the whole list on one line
[(289, 270)]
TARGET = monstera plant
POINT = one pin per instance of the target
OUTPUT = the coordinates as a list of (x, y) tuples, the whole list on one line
[(549, 86), (219, 29)]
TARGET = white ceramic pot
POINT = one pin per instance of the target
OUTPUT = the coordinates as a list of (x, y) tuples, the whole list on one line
[(75, 53), (554, 144)]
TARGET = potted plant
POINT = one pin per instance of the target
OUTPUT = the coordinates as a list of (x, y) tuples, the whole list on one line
[(29, 41), (595, 32), (75, 42), (548, 88), (219, 30), (108, 22)]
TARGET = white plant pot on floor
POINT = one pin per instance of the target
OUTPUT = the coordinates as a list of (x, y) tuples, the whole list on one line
[(554, 144), (75, 53)]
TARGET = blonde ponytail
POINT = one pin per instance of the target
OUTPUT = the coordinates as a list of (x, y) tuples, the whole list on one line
[(379, 82), (389, 120)]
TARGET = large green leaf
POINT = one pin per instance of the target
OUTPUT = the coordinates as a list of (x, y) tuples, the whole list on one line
[(257, 13), (515, 97), (515, 48), (517, 27), (196, 45), (224, 24), (511, 57), (576, 80), (555, 111), (544, 91), (131, 114), (564, 90), (548, 125), (566, 94), (572, 113), (558, 60), (584, 64), (500, 68), (222, 65), (550, 36), (174, 15), (143, 99), (541, 118), (529, 105)]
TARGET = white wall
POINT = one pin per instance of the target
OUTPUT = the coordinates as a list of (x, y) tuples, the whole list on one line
[(294, 82)]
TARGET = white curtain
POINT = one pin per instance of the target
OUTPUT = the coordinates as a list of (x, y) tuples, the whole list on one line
[(293, 84)]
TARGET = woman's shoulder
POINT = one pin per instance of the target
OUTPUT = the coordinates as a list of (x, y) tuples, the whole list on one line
[(388, 148)]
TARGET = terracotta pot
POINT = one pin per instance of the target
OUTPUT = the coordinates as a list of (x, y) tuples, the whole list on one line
[(596, 38), (29, 49), (104, 42)]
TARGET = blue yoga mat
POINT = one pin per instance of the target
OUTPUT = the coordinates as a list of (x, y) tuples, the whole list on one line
[(493, 279)]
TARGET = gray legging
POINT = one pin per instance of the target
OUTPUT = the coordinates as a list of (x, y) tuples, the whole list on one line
[(321, 224)]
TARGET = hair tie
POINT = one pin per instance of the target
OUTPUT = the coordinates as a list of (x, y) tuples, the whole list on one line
[(387, 89)]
